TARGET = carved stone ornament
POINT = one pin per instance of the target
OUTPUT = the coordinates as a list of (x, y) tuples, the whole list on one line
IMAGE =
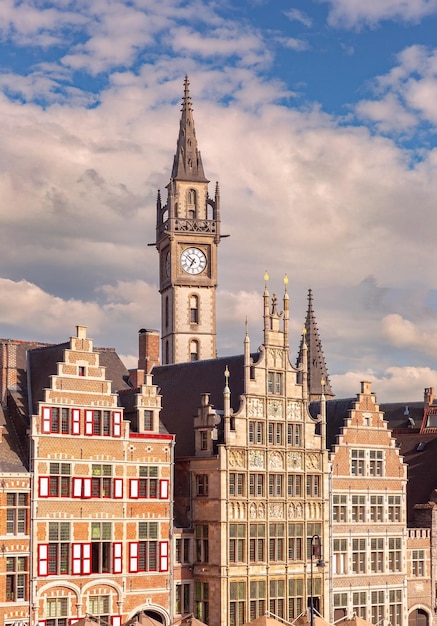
[(276, 461), (294, 410), (252, 511), (276, 510), (256, 459), (276, 355), (294, 460), (261, 511), (255, 407), (312, 461), (236, 458), (275, 409)]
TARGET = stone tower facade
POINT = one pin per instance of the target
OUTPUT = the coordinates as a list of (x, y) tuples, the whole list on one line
[(187, 236)]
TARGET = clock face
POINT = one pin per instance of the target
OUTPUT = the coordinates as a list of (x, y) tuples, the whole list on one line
[(193, 260)]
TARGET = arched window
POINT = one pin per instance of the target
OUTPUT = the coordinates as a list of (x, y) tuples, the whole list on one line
[(194, 350), (166, 312), (191, 203), (194, 309)]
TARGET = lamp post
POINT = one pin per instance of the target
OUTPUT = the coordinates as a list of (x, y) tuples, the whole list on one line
[(316, 550)]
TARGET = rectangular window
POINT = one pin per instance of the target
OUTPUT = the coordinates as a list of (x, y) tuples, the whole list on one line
[(99, 606), (377, 607), (101, 536), (295, 542), (183, 598), (276, 433), (276, 542), (340, 556), (16, 513), (295, 598), (17, 572), (276, 485), (376, 508), (101, 481), (418, 563), (202, 602), (202, 546), (237, 484), (203, 433), (274, 383), (340, 606), (294, 487), (59, 548), (147, 484), (376, 462), (56, 612), (294, 435), (148, 420), (339, 508), (359, 556), (376, 554), (357, 463), (257, 551), (202, 484), (237, 604), (256, 432), (257, 599), (256, 485), (358, 511), (359, 602), (395, 606), (59, 480), (237, 543), (394, 508), (277, 597), (394, 554), (313, 485)]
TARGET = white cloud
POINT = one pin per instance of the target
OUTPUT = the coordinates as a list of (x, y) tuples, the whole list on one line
[(294, 15), (355, 13)]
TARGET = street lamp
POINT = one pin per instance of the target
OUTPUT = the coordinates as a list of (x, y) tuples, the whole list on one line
[(316, 551)]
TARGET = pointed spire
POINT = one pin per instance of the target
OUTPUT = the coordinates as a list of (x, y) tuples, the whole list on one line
[(187, 164), (316, 364)]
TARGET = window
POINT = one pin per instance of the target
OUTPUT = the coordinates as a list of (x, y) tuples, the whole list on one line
[(16, 578), (102, 423), (60, 480), (59, 547), (183, 550), (57, 611), (183, 598), (101, 481), (148, 419), (357, 462), (395, 606), (202, 601), (81, 370), (313, 485), (358, 556), (376, 508), (274, 382), (237, 543), (194, 350), (257, 542), (204, 440), (376, 554), (340, 606), (147, 546), (257, 599), (377, 608), (99, 606), (237, 484), (202, 484), (359, 601), (339, 508), (294, 434), (16, 513), (202, 547), (394, 508), (237, 605), (295, 542), (148, 481), (276, 430), (276, 542), (191, 197), (418, 563), (101, 535), (294, 488), (194, 310), (340, 556), (256, 432), (394, 554), (358, 512), (276, 485), (295, 598), (376, 462), (277, 594), (256, 485)]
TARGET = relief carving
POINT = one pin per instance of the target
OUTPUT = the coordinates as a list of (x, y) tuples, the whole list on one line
[(236, 458), (255, 407), (276, 461), (275, 409), (294, 410), (256, 459)]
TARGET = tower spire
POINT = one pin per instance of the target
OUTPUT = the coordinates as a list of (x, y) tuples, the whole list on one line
[(187, 164), (316, 364)]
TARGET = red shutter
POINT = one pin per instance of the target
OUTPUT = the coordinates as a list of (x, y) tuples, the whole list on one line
[(77, 487), (46, 419), (86, 558), (76, 557), (116, 620), (117, 560), (118, 487), (133, 487), (42, 622), (43, 559), (86, 487), (43, 486), (163, 489), (116, 424), (89, 419), (163, 556), (75, 422), (133, 556)]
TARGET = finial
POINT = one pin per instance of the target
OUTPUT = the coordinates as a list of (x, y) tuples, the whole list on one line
[(266, 277), (304, 331), (247, 326), (227, 375), (286, 281), (323, 383)]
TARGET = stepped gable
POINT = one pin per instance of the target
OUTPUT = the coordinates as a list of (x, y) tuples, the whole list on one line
[(181, 386)]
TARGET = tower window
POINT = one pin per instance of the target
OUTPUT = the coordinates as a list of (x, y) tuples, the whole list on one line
[(166, 312), (194, 350), (167, 353), (194, 310), (191, 203)]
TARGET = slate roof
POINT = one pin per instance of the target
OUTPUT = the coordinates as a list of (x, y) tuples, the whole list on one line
[(11, 455), (182, 385)]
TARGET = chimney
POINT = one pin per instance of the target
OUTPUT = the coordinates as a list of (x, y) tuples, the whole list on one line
[(148, 349)]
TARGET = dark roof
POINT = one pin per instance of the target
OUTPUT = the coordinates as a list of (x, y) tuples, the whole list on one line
[(128, 399), (397, 414), (181, 386), (11, 455), (336, 412)]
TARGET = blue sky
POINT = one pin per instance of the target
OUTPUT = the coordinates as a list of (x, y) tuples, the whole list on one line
[(317, 117)]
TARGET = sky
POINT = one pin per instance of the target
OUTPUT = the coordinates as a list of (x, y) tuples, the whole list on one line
[(317, 117)]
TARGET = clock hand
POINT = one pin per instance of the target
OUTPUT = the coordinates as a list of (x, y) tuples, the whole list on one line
[(192, 259)]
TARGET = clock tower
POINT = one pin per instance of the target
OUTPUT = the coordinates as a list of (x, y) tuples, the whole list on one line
[(187, 236)]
